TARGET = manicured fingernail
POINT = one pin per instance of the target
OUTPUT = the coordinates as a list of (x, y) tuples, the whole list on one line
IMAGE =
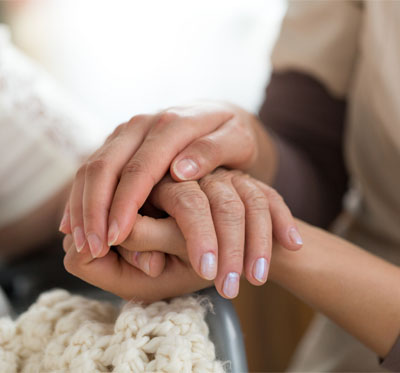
[(260, 269), (79, 239), (208, 266), (186, 168), (63, 222), (113, 233), (295, 237), (95, 244), (231, 285)]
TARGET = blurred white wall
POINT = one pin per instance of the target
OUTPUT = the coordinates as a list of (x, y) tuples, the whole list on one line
[(124, 57)]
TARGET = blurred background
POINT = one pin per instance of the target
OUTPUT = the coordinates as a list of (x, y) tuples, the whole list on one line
[(123, 57)]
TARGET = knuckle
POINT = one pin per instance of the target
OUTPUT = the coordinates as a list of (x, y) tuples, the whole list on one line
[(117, 131), (261, 242), (96, 166), (236, 257), (190, 199), (230, 207), (124, 128), (206, 182), (81, 172), (165, 118), (138, 167), (212, 182), (238, 177), (256, 201), (235, 174), (133, 122), (134, 166), (210, 148), (221, 173)]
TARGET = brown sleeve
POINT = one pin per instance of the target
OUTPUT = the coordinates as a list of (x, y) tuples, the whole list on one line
[(308, 124), (392, 360)]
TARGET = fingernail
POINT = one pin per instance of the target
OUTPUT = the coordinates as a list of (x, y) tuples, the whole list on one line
[(231, 285), (113, 233), (208, 267), (63, 222), (95, 244), (79, 239), (135, 257), (186, 168), (146, 264), (295, 237), (260, 269)]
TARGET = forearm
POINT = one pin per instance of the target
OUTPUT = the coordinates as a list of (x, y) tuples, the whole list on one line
[(357, 290), (34, 229)]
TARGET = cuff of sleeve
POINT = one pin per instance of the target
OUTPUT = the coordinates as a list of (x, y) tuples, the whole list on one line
[(291, 165), (296, 177), (392, 360)]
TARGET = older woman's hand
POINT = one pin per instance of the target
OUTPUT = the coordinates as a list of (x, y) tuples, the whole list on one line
[(220, 225), (191, 142)]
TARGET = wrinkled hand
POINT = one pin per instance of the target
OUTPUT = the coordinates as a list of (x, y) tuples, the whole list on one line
[(222, 225), (116, 180)]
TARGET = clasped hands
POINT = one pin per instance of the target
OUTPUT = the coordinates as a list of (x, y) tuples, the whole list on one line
[(153, 214)]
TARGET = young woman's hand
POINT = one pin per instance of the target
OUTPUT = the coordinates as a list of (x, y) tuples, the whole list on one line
[(113, 184), (119, 274), (226, 224)]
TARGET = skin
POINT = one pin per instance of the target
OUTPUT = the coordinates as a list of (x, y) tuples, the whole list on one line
[(34, 229), (117, 179), (216, 206), (210, 213), (355, 289)]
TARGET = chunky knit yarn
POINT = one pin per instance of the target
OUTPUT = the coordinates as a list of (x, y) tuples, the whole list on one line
[(69, 333)]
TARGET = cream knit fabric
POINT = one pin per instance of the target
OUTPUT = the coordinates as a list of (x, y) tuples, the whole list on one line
[(68, 333)]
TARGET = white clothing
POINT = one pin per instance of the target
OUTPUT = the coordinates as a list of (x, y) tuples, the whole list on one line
[(42, 134)]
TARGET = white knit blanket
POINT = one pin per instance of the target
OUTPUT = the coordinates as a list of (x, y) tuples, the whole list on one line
[(68, 333)]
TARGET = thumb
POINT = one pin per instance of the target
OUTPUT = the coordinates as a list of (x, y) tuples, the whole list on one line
[(197, 160), (226, 146)]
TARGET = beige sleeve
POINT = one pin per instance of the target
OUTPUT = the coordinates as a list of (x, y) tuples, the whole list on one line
[(42, 135), (320, 38)]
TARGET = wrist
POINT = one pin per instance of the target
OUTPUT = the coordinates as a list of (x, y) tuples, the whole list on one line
[(287, 266), (264, 165)]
